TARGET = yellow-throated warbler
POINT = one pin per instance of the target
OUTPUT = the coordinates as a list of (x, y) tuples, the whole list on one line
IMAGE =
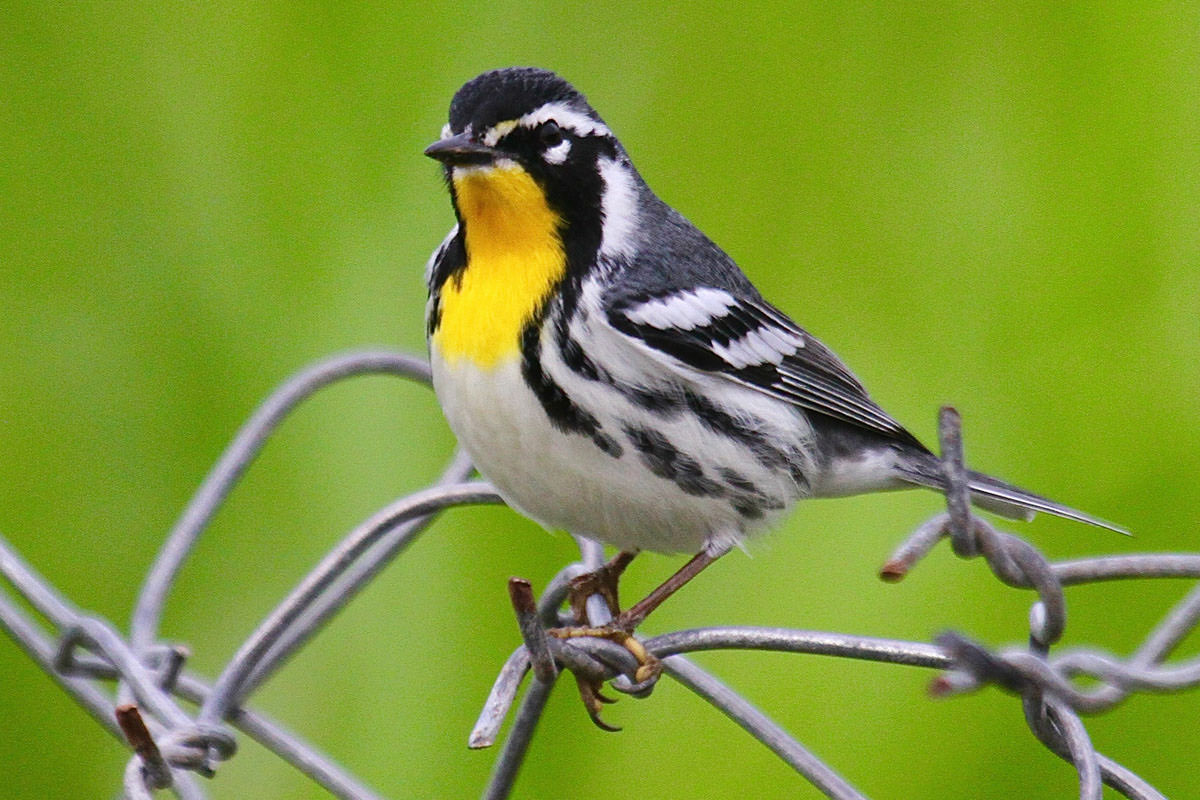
[(612, 371)]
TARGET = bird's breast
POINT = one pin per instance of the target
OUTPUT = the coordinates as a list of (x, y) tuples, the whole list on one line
[(515, 258)]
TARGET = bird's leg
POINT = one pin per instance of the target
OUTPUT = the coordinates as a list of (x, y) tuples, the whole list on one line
[(629, 620), (602, 581)]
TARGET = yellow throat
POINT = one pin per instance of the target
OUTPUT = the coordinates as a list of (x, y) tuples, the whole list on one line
[(515, 258)]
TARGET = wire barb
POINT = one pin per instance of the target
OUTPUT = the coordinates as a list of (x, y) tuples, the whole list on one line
[(537, 643), (954, 466), (154, 767)]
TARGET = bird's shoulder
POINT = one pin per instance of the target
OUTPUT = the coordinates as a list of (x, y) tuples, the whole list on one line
[(673, 254)]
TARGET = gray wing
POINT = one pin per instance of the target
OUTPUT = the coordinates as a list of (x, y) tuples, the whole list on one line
[(746, 340)]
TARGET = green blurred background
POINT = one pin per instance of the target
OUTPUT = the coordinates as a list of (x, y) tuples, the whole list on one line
[(995, 208)]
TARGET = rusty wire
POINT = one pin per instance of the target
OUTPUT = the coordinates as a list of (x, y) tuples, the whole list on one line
[(82, 653)]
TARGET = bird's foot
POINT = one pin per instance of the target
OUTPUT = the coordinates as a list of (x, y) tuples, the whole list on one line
[(648, 670), (648, 664)]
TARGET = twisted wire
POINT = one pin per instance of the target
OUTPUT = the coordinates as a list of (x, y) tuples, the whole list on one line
[(80, 651)]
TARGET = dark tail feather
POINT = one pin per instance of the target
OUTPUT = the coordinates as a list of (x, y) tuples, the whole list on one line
[(999, 497)]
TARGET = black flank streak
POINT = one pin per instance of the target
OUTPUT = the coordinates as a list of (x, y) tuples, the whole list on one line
[(747, 510), (737, 481), (659, 401), (745, 431), (748, 499), (665, 461), (608, 444), (798, 474), (572, 353), (577, 360), (562, 411)]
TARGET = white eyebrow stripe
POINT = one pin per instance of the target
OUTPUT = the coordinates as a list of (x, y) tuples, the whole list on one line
[(576, 122)]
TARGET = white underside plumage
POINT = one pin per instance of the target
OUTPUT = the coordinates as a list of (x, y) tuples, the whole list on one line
[(564, 480)]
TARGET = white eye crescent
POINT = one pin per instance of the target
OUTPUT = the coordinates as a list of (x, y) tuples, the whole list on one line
[(558, 153)]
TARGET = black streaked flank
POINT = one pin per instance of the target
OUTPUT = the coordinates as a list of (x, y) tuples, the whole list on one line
[(668, 401), (747, 509), (747, 499), (572, 352), (745, 429), (797, 472), (737, 480), (666, 461), (562, 411), (607, 443), (577, 361)]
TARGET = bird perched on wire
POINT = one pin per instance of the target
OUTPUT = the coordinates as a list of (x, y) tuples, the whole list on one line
[(613, 372)]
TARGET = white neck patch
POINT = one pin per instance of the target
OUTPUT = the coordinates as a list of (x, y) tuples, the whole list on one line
[(620, 209)]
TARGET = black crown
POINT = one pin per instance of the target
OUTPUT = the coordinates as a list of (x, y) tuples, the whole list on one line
[(509, 93)]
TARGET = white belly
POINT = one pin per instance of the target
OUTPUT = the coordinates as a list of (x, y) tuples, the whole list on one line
[(563, 480)]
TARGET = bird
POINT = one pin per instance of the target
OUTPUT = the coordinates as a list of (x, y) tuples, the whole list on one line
[(614, 373)]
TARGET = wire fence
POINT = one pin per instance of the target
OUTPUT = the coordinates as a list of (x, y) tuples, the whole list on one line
[(86, 655)]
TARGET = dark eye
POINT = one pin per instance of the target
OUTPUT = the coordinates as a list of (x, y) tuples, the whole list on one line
[(550, 134)]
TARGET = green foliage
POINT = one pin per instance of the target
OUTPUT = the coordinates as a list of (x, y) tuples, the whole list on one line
[(995, 207)]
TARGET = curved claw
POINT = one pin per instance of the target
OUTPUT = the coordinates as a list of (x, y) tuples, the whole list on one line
[(594, 702), (602, 725)]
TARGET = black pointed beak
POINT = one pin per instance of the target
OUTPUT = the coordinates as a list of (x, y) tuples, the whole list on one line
[(461, 150)]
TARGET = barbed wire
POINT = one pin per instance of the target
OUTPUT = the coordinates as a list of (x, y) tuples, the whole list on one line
[(82, 652)]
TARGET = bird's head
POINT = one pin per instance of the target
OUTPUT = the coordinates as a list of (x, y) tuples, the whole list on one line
[(523, 136)]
